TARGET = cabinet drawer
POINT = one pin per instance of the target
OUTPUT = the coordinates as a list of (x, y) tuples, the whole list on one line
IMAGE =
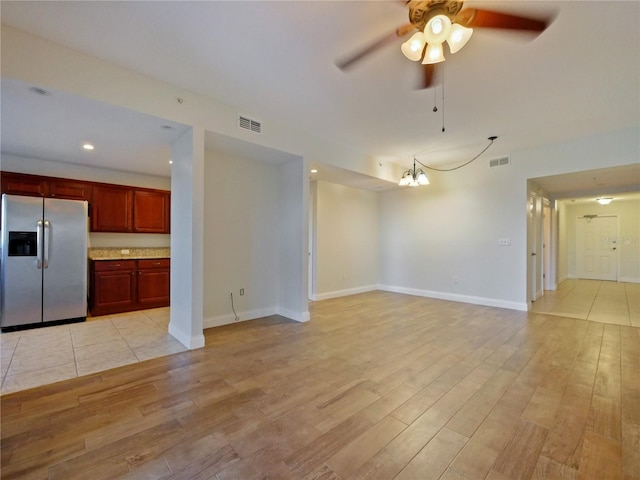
[(154, 263), (109, 265)]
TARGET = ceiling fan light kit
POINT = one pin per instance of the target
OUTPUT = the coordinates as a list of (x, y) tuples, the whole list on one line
[(437, 21)]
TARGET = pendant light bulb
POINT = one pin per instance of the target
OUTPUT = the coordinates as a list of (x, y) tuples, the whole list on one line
[(434, 54), (412, 48), (422, 178), (458, 37), (437, 29)]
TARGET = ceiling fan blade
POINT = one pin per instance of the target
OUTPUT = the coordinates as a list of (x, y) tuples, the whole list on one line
[(475, 17), (346, 63), (428, 75)]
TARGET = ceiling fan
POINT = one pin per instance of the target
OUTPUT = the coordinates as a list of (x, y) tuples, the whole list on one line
[(435, 22)]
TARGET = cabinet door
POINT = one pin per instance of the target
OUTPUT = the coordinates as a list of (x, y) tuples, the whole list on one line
[(113, 291), (153, 287), (22, 184), (111, 209), (151, 211), (70, 190)]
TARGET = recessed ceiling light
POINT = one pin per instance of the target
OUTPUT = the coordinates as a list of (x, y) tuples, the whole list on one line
[(88, 146), (604, 200), (170, 162), (314, 171)]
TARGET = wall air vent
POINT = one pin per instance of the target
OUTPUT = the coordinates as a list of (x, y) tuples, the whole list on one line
[(249, 124), (500, 162)]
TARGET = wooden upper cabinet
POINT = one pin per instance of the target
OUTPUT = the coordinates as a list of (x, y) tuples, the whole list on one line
[(151, 210), (22, 184), (111, 209), (69, 190), (38, 186), (114, 208)]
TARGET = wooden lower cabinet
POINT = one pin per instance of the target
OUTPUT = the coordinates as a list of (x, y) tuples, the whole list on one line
[(153, 283), (125, 285)]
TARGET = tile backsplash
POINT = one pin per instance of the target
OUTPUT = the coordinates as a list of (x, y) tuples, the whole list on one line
[(120, 253)]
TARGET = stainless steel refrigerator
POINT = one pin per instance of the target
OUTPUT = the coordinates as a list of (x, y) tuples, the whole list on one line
[(44, 261)]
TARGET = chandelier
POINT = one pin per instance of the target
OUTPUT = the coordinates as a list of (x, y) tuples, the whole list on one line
[(413, 178), (416, 176)]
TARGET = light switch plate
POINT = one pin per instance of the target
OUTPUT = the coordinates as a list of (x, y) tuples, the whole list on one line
[(124, 251), (504, 242)]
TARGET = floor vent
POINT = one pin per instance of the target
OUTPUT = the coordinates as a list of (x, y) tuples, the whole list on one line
[(500, 162), (249, 124)]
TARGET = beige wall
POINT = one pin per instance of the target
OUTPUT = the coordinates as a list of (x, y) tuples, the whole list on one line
[(346, 240)]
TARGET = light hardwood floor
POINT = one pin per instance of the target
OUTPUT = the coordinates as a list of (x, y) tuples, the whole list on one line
[(375, 386)]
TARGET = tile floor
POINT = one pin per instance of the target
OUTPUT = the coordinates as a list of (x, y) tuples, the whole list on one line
[(30, 358), (40, 356), (595, 300)]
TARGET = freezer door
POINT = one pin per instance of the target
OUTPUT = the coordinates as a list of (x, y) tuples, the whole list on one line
[(64, 259), (21, 289)]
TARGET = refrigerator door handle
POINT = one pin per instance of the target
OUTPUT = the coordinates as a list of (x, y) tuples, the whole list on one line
[(47, 240), (39, 244)]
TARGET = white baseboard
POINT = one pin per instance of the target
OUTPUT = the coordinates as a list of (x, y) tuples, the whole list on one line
[(344, 293), (455, 297), (620, 279), (297, 316), (190, 342), (629, 279), (229, 318)]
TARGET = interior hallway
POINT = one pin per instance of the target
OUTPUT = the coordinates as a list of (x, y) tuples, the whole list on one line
[(596, 300)]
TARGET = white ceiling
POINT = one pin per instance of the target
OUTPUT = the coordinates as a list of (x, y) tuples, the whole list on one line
[(275, 60)]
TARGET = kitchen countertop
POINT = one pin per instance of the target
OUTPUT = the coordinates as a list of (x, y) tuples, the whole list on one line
[(134, 253)]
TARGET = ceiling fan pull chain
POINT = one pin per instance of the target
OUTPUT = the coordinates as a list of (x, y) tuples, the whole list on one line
[(442, 70)]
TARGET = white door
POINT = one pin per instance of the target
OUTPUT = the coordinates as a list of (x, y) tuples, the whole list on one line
[(546, 245), (597, 248), (532, 233)]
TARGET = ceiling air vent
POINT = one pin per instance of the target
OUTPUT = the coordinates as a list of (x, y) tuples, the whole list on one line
[(249, 124), (500, 162)]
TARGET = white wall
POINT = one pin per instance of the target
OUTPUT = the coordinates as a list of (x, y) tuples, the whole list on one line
[(241, 238), (628, 212), (346, 240), (293, 280), (34, 166), (451, 228), (187, 241)]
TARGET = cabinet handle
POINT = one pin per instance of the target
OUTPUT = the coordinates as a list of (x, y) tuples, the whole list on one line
[(114, 265), (133, 273), (140, 273), (156, 263)]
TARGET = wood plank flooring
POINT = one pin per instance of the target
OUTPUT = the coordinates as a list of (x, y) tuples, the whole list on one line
[(375, 386)]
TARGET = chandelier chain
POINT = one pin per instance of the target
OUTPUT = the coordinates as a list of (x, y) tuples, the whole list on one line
[(459, 166)]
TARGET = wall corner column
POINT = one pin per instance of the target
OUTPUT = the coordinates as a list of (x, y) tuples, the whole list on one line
[(187, 239)]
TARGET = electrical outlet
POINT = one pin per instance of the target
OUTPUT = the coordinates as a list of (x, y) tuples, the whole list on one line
[(455, 280), (124, 251), (241, 292)]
